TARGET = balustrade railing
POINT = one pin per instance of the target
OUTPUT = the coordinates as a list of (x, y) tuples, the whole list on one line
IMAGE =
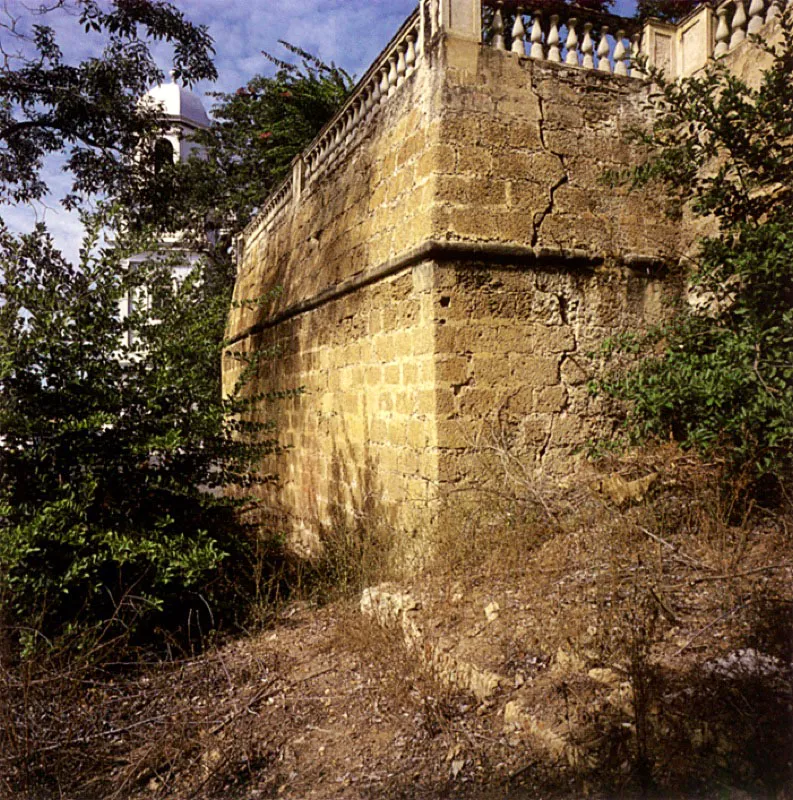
[(564, 34), (577, 37), (560, 33), (394, 66), (707, 33), (737, 19)]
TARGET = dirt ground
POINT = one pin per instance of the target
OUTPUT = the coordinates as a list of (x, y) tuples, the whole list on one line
[(639, 652)]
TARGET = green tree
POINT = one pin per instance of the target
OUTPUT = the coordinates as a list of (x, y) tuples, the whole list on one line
[(668, 10), (113, 455), (722, 378), (256, 133), (116, 462), (88, 110)]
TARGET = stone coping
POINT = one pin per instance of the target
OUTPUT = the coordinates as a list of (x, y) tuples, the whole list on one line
[(439, 250)]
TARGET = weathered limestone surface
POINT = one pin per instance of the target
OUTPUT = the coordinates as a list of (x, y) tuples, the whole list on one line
[(363, 430), (532, 143), (450, 275), (369, 207)]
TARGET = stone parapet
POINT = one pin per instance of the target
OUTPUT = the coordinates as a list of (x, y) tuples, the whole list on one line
[(447, 258)]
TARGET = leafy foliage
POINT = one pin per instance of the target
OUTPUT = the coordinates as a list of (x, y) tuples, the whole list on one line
[(111, 455), (257, 132), (89, 110), (117, 462), (668, 10), (722, 377)]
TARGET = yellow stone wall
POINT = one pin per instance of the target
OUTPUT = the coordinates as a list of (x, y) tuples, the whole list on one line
[(362, 431), (528, 145), (514, 353), (368, 207), (447, 278)]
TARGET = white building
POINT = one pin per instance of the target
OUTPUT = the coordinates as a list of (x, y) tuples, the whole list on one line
[(182, 114)]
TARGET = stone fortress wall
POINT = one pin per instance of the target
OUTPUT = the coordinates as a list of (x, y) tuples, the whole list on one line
[(448, 256)]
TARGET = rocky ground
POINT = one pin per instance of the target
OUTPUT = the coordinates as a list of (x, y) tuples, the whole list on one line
[(637, 655)]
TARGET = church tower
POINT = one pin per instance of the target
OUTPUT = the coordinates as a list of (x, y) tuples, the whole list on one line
[(182, 114)]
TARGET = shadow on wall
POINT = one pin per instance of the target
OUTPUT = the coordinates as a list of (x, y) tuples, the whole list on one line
[(351, 542)]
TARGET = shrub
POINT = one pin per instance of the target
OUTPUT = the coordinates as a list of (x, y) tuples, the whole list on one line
[(113, 457), (719, 376)]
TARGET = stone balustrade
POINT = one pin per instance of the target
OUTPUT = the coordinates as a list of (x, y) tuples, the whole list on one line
[(707, 33), (395, 65), (562, 33), (565, 35), (737, 19), (279, 198)]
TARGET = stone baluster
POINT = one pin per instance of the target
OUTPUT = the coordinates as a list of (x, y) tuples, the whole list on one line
[(372, 97), (392, 74), (375, 101), (722, 33), (619, 55), (435, 15), (353, 120), (738, 24), (410, 56), (572, 43), (774, 10), (347, 125), (339, 130), (366, 102), (498, 28), (637, 70), (604, 50), (588, 48), (401, 66), (536, 37), (519, 34), (554, 53), (383, 84), (756, 16)]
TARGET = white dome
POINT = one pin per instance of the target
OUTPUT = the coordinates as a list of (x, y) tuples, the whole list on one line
[(179, 103)]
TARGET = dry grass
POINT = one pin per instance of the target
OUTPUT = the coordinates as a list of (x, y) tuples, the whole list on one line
[(410, 683), (109, 730), (660, 591), (656, 589)]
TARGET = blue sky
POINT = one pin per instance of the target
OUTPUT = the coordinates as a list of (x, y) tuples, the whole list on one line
[(350, 33)]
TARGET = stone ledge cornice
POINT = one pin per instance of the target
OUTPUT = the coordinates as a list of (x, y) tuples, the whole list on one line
[(473, 252)]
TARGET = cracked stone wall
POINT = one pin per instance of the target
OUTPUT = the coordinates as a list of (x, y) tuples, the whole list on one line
[(514, 353), (527, 147), (448, 278)]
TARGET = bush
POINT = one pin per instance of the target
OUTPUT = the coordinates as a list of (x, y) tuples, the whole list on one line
[(114, 458), (719, 375)]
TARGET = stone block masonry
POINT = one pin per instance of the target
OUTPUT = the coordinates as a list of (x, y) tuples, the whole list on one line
[(448, 257)]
